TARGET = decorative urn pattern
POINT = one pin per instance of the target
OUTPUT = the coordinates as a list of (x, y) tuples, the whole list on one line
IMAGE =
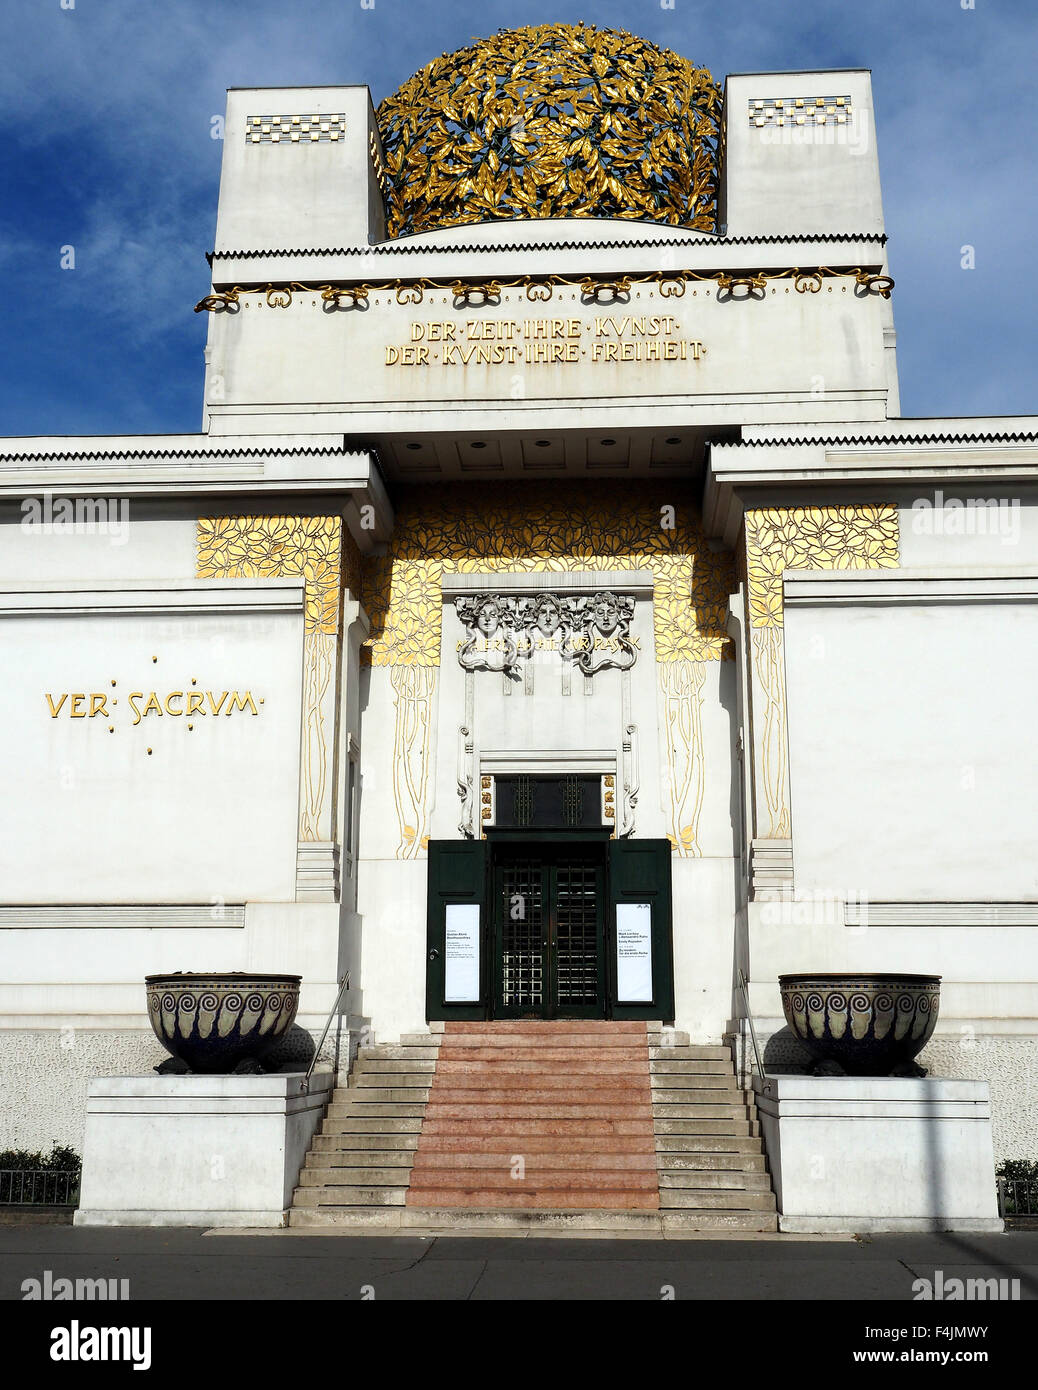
[(868, 1025), (213, 1022)]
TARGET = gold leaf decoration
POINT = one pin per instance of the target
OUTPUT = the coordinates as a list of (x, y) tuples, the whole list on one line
[(552, 120), (814, 538), (555, 527), (254, 547)]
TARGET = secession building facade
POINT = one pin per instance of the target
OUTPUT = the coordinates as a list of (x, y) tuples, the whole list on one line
[(553, 545)]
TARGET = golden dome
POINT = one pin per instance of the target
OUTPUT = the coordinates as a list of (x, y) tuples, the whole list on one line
[(552, 120)]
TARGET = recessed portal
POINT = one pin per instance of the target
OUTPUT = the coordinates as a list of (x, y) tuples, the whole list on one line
[(549, 920)]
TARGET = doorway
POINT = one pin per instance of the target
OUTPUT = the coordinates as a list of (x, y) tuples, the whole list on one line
[(549, 929)]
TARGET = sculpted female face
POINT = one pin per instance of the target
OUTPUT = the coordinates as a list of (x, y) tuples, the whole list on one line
[(488, 619), (606, 615), (547, 615)]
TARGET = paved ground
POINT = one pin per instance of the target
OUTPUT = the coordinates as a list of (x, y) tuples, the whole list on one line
[(285, 1265)]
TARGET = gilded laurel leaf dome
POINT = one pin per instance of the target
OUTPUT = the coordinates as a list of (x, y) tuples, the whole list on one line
[(552, 120)]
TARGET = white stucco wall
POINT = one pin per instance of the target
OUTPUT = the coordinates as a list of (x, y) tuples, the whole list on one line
[(132, 807), (912, 738)]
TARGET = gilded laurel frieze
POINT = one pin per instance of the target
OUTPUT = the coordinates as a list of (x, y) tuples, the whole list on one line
[(254, 547), (554, 528), (552, 120), (594, 289), (817, 538)]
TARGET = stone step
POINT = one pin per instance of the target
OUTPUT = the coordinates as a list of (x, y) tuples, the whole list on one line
[(710, 1162), (382, 1052), (360, 1158), (517, 1127), (725, 1180), (559, 1065), (549, 1061), (492, 1094), (710, 1201), (373, 1124), (525, 1044), (504, 1141), (404, 1144), (677, 1143), (702, 1125), (349, 1196), (387, 1066), (544, 1180), (549, 1109), (546, 1027), (674, 1222), (671, 1038), (380, 1095), (358, 1218), (561, 1221), (698, 1095), (543, 1199), (488, 1082), (354, 1177), (473, 1221), (535, 1162), (699, 1111), (376, 1111), (419, 1040), (709, 1057), (677, 1078)]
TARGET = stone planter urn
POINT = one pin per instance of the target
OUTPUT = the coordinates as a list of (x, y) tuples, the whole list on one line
[(213, 1022), (862, 1024)]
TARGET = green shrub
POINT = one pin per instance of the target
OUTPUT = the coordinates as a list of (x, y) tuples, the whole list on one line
[(61, 1159), (39, 1179)]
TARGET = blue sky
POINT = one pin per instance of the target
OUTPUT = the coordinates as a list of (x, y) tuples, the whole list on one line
[(107, 111)]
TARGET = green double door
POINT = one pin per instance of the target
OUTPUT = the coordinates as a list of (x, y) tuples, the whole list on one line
[(549, 926), (548, 905)]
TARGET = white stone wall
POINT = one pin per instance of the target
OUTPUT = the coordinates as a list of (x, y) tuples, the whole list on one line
[(45, 1072), (912, 736)]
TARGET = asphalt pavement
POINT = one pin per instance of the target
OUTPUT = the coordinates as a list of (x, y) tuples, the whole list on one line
[(290, 1265)]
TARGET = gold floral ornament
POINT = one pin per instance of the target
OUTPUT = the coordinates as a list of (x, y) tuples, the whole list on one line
[(254, 547), (547, 527), (552, 120), (815, 538)]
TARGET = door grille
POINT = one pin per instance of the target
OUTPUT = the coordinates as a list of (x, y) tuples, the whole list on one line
[(578, 888), (522, 933)]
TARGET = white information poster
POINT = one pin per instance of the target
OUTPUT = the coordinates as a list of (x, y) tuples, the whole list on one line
[(461, 955), (634, 953)]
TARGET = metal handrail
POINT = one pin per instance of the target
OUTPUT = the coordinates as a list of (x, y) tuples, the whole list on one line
[(749, 1019), (344, 985)]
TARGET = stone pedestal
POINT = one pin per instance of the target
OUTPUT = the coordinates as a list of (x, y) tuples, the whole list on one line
[(196, 1150), (879, 1153)]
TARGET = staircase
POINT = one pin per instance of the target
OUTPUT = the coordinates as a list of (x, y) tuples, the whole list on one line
[(709, 1154), (539, 1116), (359, 1167), (586, 1125)]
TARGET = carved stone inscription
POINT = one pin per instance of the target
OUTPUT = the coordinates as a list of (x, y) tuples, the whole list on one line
[(593, 632)]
